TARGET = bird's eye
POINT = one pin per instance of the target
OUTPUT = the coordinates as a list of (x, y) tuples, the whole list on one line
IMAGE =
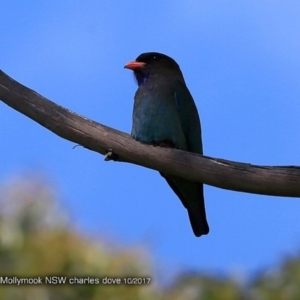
[(154, 57)]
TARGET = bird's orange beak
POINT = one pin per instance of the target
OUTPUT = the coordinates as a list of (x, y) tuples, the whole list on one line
[(133, 65)]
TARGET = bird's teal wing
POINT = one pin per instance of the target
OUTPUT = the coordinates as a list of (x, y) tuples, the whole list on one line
[(189, 117)]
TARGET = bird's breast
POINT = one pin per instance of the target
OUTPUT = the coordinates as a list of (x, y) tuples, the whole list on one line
[(156, 118)]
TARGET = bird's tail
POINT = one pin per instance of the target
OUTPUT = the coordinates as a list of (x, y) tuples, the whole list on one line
[(197, 217), (191, 195)]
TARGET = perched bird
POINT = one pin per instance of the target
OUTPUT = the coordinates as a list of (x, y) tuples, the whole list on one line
[(165, 115)]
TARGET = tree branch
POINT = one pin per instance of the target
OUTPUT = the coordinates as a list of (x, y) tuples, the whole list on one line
[(267, 180)]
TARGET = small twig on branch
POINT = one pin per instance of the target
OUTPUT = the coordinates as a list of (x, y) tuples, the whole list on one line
[(267, 180)]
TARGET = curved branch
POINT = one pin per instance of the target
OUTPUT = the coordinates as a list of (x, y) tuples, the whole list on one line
[(267, 180)]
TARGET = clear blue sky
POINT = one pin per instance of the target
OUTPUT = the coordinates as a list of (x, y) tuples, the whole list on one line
[(241, 62)]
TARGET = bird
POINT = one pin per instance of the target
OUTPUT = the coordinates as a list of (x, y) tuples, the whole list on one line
[(165, 115)]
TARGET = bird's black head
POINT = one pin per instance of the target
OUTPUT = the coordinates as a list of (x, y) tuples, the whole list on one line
[(151, 63)]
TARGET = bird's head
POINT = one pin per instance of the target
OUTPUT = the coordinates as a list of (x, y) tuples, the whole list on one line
[(150, 64)]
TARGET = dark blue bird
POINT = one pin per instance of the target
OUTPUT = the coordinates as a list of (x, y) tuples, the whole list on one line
[(165, 115)]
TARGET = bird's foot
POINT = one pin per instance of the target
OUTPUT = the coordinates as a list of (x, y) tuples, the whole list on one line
[(110, 155), (165, 144)]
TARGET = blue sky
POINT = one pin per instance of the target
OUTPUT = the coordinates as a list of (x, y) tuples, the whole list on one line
[(241, 63)]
